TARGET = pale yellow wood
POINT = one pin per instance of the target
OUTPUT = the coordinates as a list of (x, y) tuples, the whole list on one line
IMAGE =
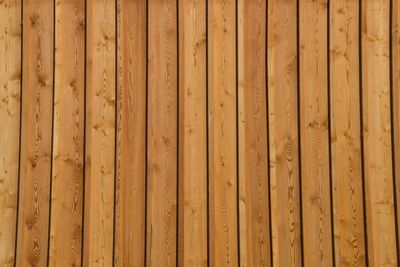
[(253, 149), (100, 133), (315, 177), (162, 133), (283, 132), (222, 133), (10, 92), (192, 134), (377, 134), (68, 135), (37, 102), (345, 133), (131, 134)]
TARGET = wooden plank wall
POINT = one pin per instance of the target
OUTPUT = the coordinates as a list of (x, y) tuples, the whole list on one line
[(199, 133)]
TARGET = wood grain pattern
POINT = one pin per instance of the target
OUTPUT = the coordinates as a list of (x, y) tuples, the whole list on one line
[(162, 133), (36, 135), (222, 133), (131, 134), (192, 134), (253, 154), (10, 92), (317, 228), (377, 134), (345, 134), (100, 133), (283, 132), (68, 135)]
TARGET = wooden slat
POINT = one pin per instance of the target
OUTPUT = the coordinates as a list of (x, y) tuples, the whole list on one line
[(162, 133), (68, 135), (100, 134), (131, 135), (192, 134), (283, 131), (37, 102), (10, 91), (345, 133), (377, 134), (396, 103), (253, 152), (317, 232), (222, 133)]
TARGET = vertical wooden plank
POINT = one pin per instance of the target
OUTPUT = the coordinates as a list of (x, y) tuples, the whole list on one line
[(396, 103), (10, 91), (162, 133), (317, 232), (100, 133), (222, 133), (377, 133), (283, 131), (35, 167), (345, 133), (131, 134), (68, 135), (192, 134), (253, 150)]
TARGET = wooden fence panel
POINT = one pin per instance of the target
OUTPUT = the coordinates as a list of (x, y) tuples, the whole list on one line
[(199, 133)]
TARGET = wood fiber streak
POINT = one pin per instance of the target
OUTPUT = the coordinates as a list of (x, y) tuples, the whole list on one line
[(100, 133), (162, 133), (192, 134), (68, 135), (10, 97), (222, 133), (283, 131), (253, 153), (345, 134), (35, 167), (131, 134), (377, 134), (314, 130)]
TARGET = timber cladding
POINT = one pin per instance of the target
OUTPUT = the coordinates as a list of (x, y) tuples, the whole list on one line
[(199, 133)]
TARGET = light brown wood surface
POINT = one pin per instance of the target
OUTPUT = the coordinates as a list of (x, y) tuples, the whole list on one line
[(162, 133), (100, 133), (131, 134), (314, 134), (68, 135), (381, 225), (345, 134), (199, 133), (283, 133), (36, 133), (252, 147), (192, 134), (10, 95), (222, 100)]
